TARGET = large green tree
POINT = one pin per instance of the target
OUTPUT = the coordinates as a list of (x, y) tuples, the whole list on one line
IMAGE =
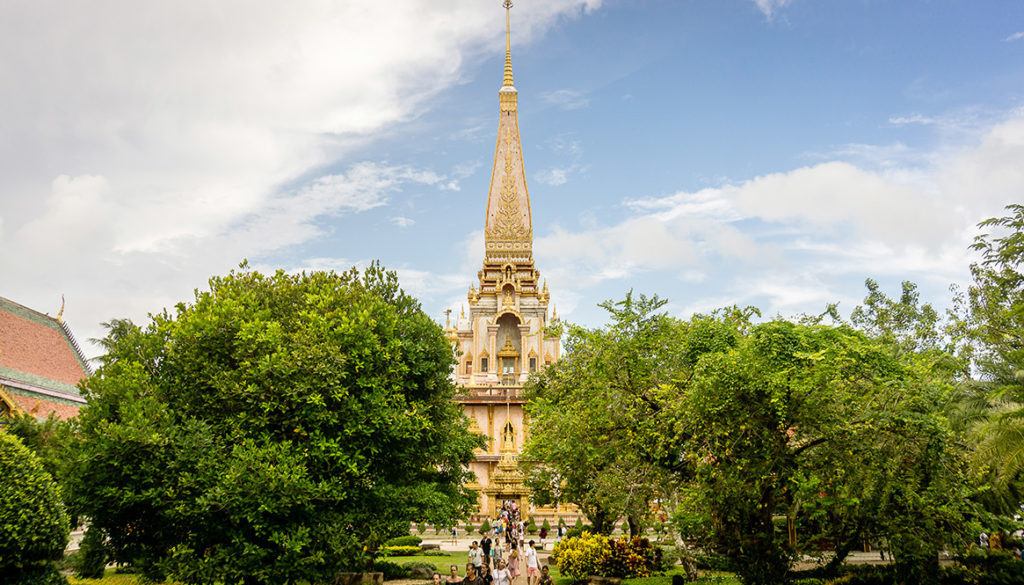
[(583, 410), (277, 428), (996, 304)]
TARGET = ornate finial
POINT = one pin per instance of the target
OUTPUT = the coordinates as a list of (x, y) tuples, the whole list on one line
[(447, 319), (463, 309), (508, 45), (60, 313)]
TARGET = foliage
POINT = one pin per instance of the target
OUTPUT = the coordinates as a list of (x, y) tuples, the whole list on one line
[(404, 540), (469, 528), (996, 304), (581, 556), (401, 551), (391, 570), (33, 524), (579, 449), (92, 556), (545, 526), (485, 527), (277, 428), (46, 438), (421, 527), (596, 554), (531, 527), (578, 529)]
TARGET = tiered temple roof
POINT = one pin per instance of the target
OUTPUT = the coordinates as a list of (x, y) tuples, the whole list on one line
[(40, 364)]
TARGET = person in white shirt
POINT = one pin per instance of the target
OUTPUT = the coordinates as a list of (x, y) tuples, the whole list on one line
[(500, 575), (532, 570), (476, 556)]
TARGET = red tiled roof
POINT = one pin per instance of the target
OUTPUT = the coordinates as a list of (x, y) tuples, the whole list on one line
[(42, 408), (36, 344)]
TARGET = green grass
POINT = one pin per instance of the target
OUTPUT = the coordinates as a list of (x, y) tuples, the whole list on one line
[(110, 578), (441, 563)]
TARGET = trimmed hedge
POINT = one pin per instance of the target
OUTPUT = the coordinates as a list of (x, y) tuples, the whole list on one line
[(407, 540), (391, 570), (33, 524), (402, 551)]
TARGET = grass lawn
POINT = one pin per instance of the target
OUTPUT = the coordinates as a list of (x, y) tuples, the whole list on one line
[(109, 578)]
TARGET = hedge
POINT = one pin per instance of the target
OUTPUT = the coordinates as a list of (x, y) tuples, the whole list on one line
[(33, 524)]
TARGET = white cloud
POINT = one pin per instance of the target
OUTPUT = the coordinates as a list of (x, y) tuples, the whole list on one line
[(770, 7), (403, 222), (793, 241), (566, 99), (553, 177), (1015, 37), (149, 146)]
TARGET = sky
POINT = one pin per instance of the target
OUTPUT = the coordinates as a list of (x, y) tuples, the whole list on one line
[(773, 153)]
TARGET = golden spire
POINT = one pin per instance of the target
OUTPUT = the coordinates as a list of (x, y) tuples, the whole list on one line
[(508, 46)]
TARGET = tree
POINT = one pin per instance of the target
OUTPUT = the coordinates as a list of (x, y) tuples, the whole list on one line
[(996, 303), (277, 428), (576, 452), (33, 524), (485, 527)]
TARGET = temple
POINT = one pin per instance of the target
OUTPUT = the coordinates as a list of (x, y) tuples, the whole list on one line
[(40, 364), (503, 338)]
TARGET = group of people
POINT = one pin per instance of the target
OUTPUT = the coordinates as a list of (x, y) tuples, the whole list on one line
[(490, 563), (483, 575)]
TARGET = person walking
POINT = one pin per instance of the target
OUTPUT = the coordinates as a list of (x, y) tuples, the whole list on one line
[(513, 565), (475, 557), (453, 576), (472, 576), (485, 546), (545, 578), (455, 535), (532, 569), (501, 575)]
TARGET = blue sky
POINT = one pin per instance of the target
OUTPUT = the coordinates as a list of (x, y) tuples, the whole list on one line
[(769, 152)]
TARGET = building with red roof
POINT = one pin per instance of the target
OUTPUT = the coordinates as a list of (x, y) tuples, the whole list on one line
[(40, 364)]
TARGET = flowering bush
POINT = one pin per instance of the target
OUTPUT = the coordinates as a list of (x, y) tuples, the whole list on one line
[(593, 554)]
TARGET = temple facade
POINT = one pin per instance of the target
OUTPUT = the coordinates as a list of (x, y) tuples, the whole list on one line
[(503, 337)]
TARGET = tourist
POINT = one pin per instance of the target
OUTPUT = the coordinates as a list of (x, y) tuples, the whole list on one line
[(455, 535), (501, 575), (496, 555), (476, 557), (560, 534), (545, 578), (532, 571), (485, 546), (436, 578), (485, 575), (513, 564), (543, 535), (472, 577), (453, 578)]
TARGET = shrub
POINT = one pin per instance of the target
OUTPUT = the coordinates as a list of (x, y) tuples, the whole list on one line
[(401, 551), (594, 554), (33, 524), (93, 555), (468, 527), (669, 558), (546, 526), (578, 530), (531, 527), (391, 570), (421, 527), (581, 556), (413, 566), (408, 540), (485, 527), (435, 553)]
